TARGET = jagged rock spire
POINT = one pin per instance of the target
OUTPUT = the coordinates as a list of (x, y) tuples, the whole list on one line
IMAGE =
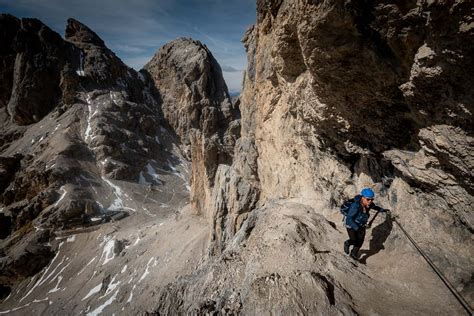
[(76, 32)]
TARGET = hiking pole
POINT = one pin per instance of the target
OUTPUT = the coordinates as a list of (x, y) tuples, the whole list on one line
[(437, 271)]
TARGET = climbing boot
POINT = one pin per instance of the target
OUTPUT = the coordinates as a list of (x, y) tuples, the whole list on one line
[(346, 247), (355, 253)]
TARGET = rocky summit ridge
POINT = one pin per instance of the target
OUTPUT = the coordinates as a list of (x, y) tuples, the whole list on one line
[(152, 192)]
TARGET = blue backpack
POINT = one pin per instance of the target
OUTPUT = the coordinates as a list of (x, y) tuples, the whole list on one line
[(345, 207)]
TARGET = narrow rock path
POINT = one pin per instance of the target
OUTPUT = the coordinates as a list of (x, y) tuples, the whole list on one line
[(404, 282)]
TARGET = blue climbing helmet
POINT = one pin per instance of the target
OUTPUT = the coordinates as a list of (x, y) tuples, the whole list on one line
[(368, 193)]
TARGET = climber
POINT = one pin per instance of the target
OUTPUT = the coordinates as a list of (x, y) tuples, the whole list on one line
[(356, 220)]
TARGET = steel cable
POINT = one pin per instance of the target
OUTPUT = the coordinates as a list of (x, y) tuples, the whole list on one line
[(458, 296)]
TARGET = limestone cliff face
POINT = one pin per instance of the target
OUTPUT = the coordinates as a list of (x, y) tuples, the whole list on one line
[(33, 57), (339, 95), (74, 120), (196, 104)]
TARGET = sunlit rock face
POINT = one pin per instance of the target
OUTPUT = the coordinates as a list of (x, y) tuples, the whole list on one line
[(151, 191), (341, 95), (107, 148), (197, 106)]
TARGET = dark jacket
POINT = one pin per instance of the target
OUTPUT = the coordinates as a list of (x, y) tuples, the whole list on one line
[(356, 218)]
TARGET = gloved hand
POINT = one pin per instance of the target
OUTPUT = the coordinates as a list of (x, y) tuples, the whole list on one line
[(387, 211)]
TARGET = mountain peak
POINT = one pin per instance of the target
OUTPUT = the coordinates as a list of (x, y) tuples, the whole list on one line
[(77, 32)]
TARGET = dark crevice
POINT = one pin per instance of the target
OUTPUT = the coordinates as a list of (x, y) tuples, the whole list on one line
[(363, 19), (5, 226), (4, 291), (328, 287)]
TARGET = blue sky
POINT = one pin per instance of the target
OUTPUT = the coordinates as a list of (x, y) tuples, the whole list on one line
[(135, 30)]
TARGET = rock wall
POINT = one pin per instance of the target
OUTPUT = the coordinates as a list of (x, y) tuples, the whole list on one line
[(32, 60), (197, 106), (74, 119), (339, 95)]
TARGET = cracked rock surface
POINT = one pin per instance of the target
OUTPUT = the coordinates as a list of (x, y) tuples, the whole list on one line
[(125, 192)]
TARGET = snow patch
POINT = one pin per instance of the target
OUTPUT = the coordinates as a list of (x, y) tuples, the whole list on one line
[(147, 271), (99, 310), (80, 71), (118, 202), (177, 173), (42, 278), (111, 287), (131, 294), (88, 132), (137, 240), (62, 196), (58, 275), (142, 180), (94, 290), (86, 265), (57, 127), (108, 251), (114, 95), (71, 238), (152, 172), (124, 269), (56, 288), (15, 309)]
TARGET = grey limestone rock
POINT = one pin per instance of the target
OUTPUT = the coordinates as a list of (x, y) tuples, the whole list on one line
[(32, 68), (337, 96), (197, 106)]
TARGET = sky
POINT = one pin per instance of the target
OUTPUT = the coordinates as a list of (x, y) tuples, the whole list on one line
[(135, 30)]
